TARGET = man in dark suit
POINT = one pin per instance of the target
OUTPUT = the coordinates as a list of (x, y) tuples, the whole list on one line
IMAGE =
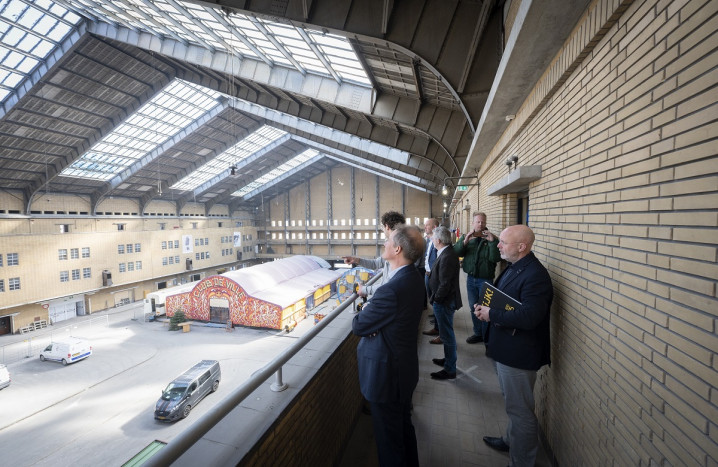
[(387, 352), (445, 298), (519, 341)]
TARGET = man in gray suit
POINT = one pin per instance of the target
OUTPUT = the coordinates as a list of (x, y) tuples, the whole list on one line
[(387, 352)]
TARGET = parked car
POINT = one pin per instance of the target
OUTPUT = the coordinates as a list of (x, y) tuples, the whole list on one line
[(4, 377), (182, 394), (67, 350)]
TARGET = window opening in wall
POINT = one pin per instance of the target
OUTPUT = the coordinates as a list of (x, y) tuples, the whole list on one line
[(121, 249), (194, 225), (75, 274), (85, 252), (120, 226), (13, 260), (373, 221), (522, 208), (86, 273), (64, 276), (64, 228), (13, 283), (74, 253), (321, 222), (162, 225), (61, 255), (219, 224)]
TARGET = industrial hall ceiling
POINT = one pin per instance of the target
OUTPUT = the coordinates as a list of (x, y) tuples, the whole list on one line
[(228, 102)]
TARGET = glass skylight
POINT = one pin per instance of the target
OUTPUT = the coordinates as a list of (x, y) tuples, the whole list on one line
[(246, 36), (277, 172), (29, 33), (169, 112), (245, 148)]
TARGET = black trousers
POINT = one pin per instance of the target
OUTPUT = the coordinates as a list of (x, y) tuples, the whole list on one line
[(394, 434)]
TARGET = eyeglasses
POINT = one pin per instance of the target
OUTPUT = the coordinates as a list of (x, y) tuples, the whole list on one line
[(509, 243)]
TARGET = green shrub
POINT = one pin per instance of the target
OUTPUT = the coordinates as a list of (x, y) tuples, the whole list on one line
[(176, 319)]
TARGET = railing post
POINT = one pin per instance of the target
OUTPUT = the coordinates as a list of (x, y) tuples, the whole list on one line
[(278, 385)]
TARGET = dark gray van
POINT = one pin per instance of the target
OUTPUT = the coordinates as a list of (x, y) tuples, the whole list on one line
[(182, 394)]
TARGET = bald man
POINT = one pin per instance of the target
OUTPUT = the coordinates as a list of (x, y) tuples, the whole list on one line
[(519, 341)]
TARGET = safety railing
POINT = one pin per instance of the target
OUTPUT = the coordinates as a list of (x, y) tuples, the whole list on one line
[(182, 442)]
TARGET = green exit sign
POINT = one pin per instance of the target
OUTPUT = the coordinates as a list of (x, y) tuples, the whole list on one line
[(462, 188)]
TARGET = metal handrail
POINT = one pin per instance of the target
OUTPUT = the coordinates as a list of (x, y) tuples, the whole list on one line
[(177, 446)]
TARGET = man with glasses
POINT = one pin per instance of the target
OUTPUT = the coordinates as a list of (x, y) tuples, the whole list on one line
[(519, 341), (478, 248), (387, 352), (389, 221)]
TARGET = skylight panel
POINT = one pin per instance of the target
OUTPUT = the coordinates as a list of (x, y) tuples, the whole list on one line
[(143, 131), (277, 172), (253, 143), (210, 27), (36, 30)]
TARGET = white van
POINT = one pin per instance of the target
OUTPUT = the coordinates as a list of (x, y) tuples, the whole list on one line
[(4, 377), (67, 350)]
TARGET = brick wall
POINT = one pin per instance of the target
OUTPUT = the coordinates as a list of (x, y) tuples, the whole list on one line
[(315, 428), (624, 124)]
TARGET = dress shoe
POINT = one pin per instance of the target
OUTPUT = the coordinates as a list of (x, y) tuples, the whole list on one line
[(436, 340), (474, 339), (431, 332), (439, 361), (496, 443), (443, 374)]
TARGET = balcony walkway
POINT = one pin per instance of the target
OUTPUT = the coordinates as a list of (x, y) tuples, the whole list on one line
[(450, 417)]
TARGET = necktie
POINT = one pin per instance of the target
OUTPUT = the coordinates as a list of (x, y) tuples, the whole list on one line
[(504, 278), (432, 256)]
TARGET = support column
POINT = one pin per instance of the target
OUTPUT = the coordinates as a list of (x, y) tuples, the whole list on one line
[(352, 211), (377, 227), (329, 212), (307, 216)]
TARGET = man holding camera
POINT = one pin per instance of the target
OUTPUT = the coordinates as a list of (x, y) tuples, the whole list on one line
[(479, 247)]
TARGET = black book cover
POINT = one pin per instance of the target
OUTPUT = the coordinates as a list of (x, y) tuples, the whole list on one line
[(492, 297)]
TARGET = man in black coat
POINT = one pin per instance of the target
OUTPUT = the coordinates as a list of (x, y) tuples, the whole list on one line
[(519, 341), (387, 353), (445, 298)]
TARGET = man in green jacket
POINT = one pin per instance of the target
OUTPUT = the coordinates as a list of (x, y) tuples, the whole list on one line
[(479, 247)]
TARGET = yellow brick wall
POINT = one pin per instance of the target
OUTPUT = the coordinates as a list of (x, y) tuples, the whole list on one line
[(624, 126)]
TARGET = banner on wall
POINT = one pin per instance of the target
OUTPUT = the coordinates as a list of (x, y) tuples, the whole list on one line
[(238, 239), (187, 244)]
